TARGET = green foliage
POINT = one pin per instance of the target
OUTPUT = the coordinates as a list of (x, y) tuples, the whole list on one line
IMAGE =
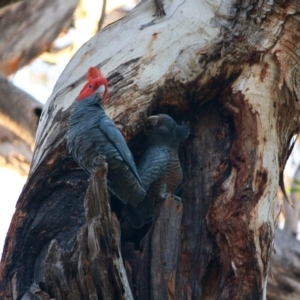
[(295, 187)]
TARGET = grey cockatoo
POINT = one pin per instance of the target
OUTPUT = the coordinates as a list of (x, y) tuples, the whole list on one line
[(159, 169), (92, 133)]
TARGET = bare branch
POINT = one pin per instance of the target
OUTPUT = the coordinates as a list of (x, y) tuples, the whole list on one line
[(102, 17), (28, 28)]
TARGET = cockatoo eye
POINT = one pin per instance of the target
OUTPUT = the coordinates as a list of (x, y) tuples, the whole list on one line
[(90, 86)]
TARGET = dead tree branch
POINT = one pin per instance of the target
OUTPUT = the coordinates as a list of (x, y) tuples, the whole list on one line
[(28, 28)]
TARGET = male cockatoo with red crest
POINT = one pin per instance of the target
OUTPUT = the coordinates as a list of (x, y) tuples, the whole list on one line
[(92, 133), (94, 80)]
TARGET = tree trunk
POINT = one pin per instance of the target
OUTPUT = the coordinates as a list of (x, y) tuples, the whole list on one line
[(28, 28), (231, 69), (19, 115), (283, 283)]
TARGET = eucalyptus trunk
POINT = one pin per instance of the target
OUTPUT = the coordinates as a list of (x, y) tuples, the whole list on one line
[(231, 69)]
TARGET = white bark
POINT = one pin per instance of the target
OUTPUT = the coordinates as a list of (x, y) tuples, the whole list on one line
[(242, 58), (260, 96), (147, 50)]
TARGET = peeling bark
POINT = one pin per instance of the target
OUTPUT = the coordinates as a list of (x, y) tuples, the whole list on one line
[(232, 209), (232, 72)]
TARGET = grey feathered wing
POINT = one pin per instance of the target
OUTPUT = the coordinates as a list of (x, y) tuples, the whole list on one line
[(151, 166), (126, 183)]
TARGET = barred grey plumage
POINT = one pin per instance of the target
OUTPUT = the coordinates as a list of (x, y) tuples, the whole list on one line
[(159, 169)]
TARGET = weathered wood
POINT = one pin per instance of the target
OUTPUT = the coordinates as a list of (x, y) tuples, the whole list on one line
[(162, 252), (153, 271), (54, 212), (94, 267), (29, 28), (232, 70), (205, 171)]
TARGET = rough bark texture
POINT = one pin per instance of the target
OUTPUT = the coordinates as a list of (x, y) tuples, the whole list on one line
[(19, 115), (94, 265), (232, 71), (28, 28)]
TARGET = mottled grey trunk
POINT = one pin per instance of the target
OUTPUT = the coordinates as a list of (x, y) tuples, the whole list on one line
[(228, 67)]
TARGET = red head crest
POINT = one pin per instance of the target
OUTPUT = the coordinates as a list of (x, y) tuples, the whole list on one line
[(94, 79)]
